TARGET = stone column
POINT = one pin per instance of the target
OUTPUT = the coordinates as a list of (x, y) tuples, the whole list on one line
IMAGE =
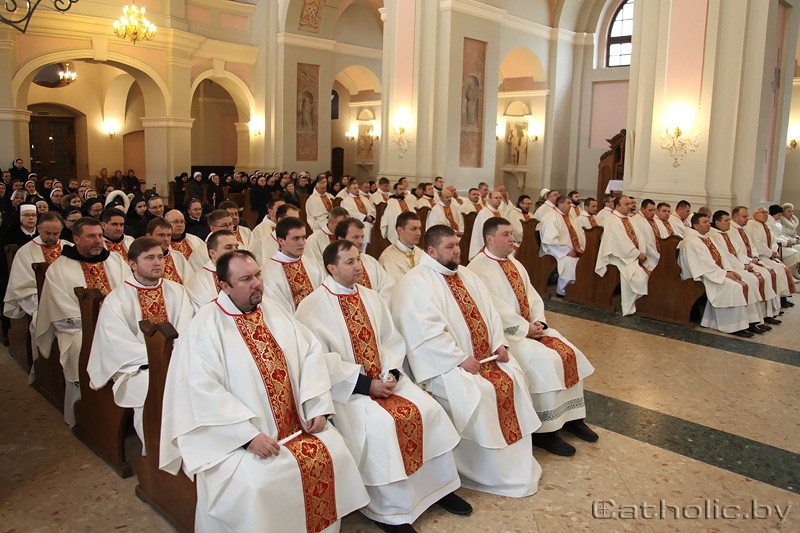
[(168, 149)]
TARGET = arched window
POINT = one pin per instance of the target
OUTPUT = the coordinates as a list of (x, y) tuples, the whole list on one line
[(618, 46), (334, 105)]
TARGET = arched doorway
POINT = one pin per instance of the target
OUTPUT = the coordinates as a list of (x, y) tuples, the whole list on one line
[(357, 129), (214, 137)]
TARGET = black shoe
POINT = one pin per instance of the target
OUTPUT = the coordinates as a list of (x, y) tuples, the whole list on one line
[(755, 329), (764, 327), (455, 505), (395, 528), (561, 295), (771, 320), (743, 333), (553, 444), (581, 430)]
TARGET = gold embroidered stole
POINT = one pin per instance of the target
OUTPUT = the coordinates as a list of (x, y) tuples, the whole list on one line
[(313, 459), (406, 415), (573, 235), (657, 235), (170, 272), (479, 335), (118, 247), (183, 247), (51, 253), (152, 304), (448, 213), (365, 281), (715, 255), (298, 280), (95, 276)]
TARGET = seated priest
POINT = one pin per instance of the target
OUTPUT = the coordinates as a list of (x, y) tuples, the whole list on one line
[(321, 238), (113, 222), (190, 246), (245, 411), (403, 254), (176, 267), (203, 286), (373, 276), (563, 238)]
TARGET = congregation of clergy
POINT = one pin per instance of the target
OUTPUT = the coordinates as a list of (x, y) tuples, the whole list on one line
[(311, 380)]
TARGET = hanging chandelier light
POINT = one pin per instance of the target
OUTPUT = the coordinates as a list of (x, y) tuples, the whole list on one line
[(134, 25), (66, 75)]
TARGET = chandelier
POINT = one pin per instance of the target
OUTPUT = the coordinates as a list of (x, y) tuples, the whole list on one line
[(18, 13), (66, 75), (134, 25)]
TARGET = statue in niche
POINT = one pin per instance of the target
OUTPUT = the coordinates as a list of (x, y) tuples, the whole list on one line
[(311, 15), (305, 113), (472, 102), (365, 143), (517, 141)]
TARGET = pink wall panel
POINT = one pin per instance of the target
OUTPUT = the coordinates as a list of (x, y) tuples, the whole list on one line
[(609, 111)]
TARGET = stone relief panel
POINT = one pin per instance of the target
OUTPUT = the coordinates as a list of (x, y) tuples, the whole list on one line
[(517, 143), (472, 102), (311, 15), (307, 112)]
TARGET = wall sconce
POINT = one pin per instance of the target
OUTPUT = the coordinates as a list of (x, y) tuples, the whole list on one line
[(792, 136), (535, 128), (110, 128), (792, 144), (400, 131), (352, 133), (375, 132), (500, 130), (256, 126), (678, 136)]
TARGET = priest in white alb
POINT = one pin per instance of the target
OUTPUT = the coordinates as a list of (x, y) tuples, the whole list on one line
[(373, 275), (563, 238), (176, 267), (113, 222), (359, 207), (457, 351), (493, 203), (243, 234), (288, 275), (203, 286), (321, 238), (118, 348), (86, 264), (265, 247), (446, 212), (623, 247), (647, 225), (403, 254), (319, 205), (398, 203), (398, 435), (245, 407), (191, 247), (554, 367)]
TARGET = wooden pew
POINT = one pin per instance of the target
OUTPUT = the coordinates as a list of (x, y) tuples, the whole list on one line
[(19, 336), (377, 243), (249, 214), (469, 222), (422, 213), (99, 422), (669, 298), (304, 215), (589, 288), (337, 202), (539, 268), (174, 497), (49, 372)]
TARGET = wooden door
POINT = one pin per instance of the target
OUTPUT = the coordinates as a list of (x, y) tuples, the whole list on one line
[(53, 148)]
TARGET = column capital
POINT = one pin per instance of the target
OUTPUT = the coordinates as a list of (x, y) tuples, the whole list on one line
[(15, 115), (167, 122)]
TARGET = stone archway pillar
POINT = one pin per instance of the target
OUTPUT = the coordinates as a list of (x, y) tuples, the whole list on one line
[(168, 149)]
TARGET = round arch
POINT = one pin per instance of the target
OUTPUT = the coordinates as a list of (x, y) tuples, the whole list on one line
[(236, 87), (116, 97), (156, 94), (356, 77), (521, 62)]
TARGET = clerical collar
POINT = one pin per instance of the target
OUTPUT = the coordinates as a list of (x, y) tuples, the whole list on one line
[(336, 288), (441, 203), (179, 239), (403, 248), (353, 195), (72, 253), (551, 204), (438, 188), (490, 255), (133, 282), (620, 215), (283, 258), (227, 306), (115, 241), (398, 196), (429, 196), (436, 265)]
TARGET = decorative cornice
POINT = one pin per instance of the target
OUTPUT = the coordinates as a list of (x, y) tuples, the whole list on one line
[(167, 122), (328, 45), (365, 103), (523, 94), (234, 8), (15, 115)]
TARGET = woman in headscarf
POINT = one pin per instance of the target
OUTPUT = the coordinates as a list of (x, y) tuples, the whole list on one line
[(25, 230), (18, 170), (42, 207), (56, 195), (31, 194), (214, 193), (71, 200), (70, 215), (93, 207), (259, 196)]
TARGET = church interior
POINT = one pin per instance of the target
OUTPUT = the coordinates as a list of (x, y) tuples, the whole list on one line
[(694, 431)]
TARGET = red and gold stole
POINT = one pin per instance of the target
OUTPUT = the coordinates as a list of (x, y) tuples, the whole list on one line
[(118, 247), (51, 253), (403, 205), (668, 226), (360, 205), (406, 415), (715, 255), (216, 278), (170, 272), (331, 237), (629, 231), (183, 247), (592, 221), (526, 216), (573, 235), (365, 281), (448, 213), (239, 236), (768, 233), (502, 382), (326, 202), (431, 201), (746, 241), (732, 251), (496, 214), (313, 458), (568, 359), (298, 280), (577, 210), (95, 276), (478, 207), (657, 235), (152, 303)]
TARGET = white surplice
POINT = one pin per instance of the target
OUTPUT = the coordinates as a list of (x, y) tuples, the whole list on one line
[(264, 248), (349, 203), (199, 254), (59, 317), (317, 242), (437, 215), (725, 308), (617, 249), (21, 296), (118, 348), (602, 215), (245, 235), (202, 285), (649, 232), (438, 340), (380, 280), (677, 224), (264, 228), (556, 241), (747, 252), (215, 402), (555, 404), (765, 242), (389, 218), (584, 220), (368, 428), (275, 278), (316, 212), (543, 209), (476, 239), (396, 260)]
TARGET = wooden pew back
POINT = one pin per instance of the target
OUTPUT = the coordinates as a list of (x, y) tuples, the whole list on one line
[(589, 288), (19, 337), (174, 497), (49, 372), (469, 223), (423, 213), (539, 268), (99, 422), (378, 243)]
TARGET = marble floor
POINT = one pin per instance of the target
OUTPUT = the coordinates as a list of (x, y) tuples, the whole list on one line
[(698, 432)]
